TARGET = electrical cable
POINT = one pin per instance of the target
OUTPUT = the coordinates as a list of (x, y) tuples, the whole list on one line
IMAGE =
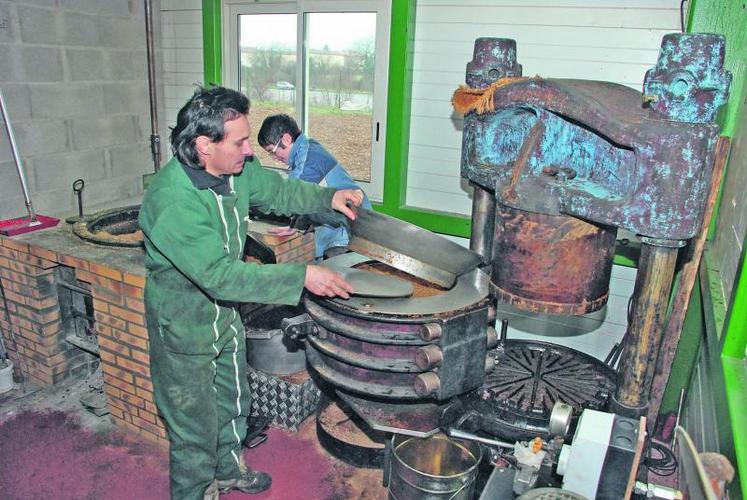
[(665, 464)]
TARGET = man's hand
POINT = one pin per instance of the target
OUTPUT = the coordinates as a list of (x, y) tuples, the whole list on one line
[(323, 281), (345, 197)]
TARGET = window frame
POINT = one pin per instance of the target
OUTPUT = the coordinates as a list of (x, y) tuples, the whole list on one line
[(402, 31), (230, 74)]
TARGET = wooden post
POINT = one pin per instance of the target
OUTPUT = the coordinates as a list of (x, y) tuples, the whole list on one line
[(652, 287), (681, 300)]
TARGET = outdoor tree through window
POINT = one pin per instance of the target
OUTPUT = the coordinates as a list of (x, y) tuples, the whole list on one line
[(322, 68)]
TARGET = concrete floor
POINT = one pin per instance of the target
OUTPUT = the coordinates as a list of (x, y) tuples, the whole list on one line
[(52, 447)]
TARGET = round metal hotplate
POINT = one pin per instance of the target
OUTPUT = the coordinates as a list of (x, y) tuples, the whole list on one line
[(470, 290), (517, 397), (117, 227)]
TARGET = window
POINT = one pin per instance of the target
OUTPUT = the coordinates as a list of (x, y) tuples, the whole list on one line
[(325, 64)]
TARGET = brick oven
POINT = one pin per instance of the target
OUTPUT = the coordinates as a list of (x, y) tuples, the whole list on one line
[(69, 305)]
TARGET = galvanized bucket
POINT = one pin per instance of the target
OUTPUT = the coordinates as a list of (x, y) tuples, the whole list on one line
[(434, 468), (6, 376)]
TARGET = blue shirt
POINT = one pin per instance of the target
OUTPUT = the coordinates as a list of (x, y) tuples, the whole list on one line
[(309, 161)]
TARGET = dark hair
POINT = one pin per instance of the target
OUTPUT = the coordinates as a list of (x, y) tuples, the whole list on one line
[(273, 128), (204, 114)]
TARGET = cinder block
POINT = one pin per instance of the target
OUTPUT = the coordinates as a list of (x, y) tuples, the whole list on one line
[(66, 101), (112, 190), (41, 137), (120, 65), (7, 60), (41, 64), (80, 29), (30, 64), (103, 132), (10, 184), (8, 28), (59, 171), (132, 160), (131, 97), (123, 32), (85, 64), (47, 3), (38, 25), (17, 100), (107, 8)]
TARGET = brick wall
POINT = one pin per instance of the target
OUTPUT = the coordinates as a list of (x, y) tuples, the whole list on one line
[(123, 348), (31, 324), (296, 248), (31, 315), (36, 343)]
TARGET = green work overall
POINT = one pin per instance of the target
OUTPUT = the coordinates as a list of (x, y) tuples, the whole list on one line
[(195, 228)]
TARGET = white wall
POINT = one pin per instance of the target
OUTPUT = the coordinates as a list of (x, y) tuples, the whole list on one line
[(611, 40)]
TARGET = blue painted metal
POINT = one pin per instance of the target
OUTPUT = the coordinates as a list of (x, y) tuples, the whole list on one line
[(688, 83), (606, 155)]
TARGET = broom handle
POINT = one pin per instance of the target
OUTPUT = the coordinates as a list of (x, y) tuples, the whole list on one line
[(17, 159)]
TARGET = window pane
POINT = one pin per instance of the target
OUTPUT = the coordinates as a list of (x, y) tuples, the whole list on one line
[(267, 74), (339, 91)]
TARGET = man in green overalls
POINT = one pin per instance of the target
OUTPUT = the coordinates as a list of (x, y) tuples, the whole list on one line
[(193, 217)]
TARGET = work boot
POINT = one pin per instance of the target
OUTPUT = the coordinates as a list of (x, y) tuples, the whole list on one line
[(251, 481)]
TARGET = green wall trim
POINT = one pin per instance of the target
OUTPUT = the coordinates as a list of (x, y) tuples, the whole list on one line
[(212, 42), (398, 104), (727, 17), (735, 329), (735, 380), (438, 222)]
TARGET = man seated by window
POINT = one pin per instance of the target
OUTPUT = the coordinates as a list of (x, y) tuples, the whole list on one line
[(307, 160)]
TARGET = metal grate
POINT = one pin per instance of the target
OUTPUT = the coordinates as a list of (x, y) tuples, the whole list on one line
[(529, 377)]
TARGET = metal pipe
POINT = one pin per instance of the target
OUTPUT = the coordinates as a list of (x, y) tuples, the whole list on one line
[(17, 159), (155, 139), (459, 434), (652, 287), (483, 222)]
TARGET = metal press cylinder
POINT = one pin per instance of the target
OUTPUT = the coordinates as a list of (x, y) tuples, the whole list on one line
[(552, 264)]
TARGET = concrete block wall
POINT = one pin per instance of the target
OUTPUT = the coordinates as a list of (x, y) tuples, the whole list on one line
[(74, 77)]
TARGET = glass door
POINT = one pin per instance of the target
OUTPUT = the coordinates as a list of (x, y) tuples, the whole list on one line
[(323, 62)]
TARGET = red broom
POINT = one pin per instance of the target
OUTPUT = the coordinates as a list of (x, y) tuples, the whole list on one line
[(20, 225)]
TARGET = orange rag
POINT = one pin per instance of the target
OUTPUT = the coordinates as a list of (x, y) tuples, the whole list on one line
[(466, 99)]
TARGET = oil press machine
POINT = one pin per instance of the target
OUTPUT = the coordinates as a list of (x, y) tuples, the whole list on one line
[(557, 166)]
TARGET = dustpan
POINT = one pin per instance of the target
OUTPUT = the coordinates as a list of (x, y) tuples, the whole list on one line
[(32, 222)]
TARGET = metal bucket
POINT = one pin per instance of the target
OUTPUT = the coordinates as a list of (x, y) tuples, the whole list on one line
[(6, 377), (434, 468)]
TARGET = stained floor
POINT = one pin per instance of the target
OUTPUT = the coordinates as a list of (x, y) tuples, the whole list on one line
[(50, 447)]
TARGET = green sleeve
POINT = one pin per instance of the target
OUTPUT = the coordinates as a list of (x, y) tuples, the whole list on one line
[(270, 192), (184, 235)]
